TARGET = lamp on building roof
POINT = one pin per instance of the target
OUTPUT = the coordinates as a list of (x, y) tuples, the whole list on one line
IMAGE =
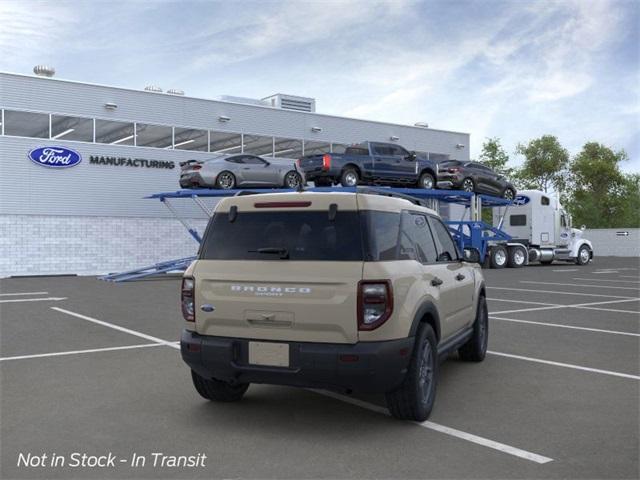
[(460, 146), (394, 138), (316, 129), (421, 124), (223, 118), (111, 106)]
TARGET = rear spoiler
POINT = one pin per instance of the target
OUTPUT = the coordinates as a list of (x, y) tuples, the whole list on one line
[(188, 162)]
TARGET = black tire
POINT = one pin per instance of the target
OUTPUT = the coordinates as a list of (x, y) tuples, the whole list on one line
[(499, 256), (292, 179), (349, 177), (508, 194), (218, 390), (468, 185), (225, 180), (414, 398), (584, 255), (427, 181), (517, 257), (476, 347)]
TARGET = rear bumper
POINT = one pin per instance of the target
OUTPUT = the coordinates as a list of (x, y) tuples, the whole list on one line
[(449, 181), (190, 180), (372, 367)]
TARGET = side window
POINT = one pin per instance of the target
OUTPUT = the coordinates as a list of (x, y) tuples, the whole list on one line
[(416, 242), (381, 231), (380, 149), (544, 201), (563, 220), (447, 251), (398, 151), (251, 160), (234, 160), (517, 220)]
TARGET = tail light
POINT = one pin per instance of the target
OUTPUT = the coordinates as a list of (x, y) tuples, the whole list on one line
[(326, 161), (196, 167), (454, 170), (188, 309), (299, 162), (375, 303)]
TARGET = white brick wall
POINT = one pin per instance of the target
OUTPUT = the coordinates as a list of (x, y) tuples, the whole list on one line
[(44, 245)]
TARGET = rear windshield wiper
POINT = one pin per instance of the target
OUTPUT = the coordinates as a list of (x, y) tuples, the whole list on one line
[(283, 252)]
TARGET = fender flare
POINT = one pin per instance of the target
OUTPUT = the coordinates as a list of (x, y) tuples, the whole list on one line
[(580, 243), (427, 307)]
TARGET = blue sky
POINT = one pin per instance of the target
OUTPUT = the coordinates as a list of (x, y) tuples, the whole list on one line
[(510, 69)]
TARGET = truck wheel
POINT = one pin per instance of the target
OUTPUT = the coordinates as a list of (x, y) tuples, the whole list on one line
[(476, 347), (498, 256), (584, 255), (508, 194), (349, 177), (517, 257), (218, 390), (426, 181), (413, 400)]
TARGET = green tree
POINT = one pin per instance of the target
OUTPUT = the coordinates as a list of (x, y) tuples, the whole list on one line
[(545, 164), (494, 156), (600, 195)]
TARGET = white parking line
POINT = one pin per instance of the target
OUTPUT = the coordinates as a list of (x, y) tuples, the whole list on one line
[(77, 352), (582, 285), (587, 306), (520, 301), (565, 365), (545, 324), (559, 293), (23, 293), (118, 327), (628, 276), (469, 437), (47, 299), (604, 280), (567, 270)]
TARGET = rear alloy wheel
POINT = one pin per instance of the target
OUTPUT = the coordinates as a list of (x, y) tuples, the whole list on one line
[(584, 255), (414, 398), (349, 178), (508, 194), (498, 257), (427, 181), (468, 185), (226, 180), (292, 180), (517, 257)]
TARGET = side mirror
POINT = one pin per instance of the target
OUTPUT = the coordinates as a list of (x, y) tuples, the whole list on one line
[(583, 228), (471, 255), (412, 156)]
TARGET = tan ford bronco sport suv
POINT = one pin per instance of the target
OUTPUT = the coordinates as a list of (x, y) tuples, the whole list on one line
[(344, 291)]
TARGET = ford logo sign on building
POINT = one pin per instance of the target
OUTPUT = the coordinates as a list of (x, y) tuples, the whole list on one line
[(55, 157)]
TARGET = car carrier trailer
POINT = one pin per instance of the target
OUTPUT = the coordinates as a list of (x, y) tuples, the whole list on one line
[(490, 245)]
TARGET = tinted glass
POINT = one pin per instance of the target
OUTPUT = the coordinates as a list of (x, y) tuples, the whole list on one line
[(26, 124), (71, 128), (381, 234), (114, 132), (357, 151), (447, 249), (238, 159), (251, 160), (517, 220), (157, 136), (338, 148), (416, 242), (224, 142), (287, 148), (544, 201), (190, 139), (304, 235), (398, 151)]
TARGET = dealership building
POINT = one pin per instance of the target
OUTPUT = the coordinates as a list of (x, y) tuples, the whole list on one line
[(92, 217)]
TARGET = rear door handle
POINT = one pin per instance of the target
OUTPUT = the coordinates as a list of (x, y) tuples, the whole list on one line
[(460, 277), (436, 282)]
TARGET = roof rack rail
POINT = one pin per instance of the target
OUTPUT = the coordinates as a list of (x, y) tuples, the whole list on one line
[(389, 193)]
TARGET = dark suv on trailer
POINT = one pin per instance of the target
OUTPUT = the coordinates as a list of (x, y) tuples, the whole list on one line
[(474, 177)]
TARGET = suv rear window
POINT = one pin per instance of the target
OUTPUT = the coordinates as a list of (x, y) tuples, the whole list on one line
[(302, 235)]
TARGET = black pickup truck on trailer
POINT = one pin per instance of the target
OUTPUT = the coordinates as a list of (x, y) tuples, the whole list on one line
[(370, 163)]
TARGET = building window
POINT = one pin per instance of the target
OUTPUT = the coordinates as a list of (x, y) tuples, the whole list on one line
[(225, 142), (190, 139), (114, 133), (157, 136), (71, 128), (258, 145), (518, 220), (315, 148), (287, 148), (26, 124)]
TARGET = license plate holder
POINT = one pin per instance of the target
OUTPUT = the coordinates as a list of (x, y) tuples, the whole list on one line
[(269, 354)]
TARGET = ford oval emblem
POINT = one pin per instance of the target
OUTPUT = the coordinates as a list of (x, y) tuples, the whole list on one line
[(521, 200), (55, 157)]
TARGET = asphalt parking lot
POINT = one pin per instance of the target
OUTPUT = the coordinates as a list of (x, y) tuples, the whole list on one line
[(92, 367)]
